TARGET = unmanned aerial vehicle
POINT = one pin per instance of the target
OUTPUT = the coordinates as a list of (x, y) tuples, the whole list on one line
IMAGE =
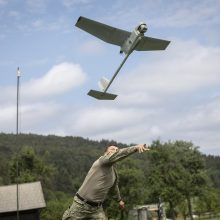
[(128, 41)]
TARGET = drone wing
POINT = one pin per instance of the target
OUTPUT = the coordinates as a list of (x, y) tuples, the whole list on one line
[(104, 32), (148, 43)]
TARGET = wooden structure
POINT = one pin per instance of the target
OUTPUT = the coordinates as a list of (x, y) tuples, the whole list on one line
[(31, 201)]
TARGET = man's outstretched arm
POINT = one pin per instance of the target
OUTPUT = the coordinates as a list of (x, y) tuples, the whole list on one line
[(122, 153)]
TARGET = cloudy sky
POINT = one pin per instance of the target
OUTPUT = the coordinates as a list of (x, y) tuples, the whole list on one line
[(170, 95)]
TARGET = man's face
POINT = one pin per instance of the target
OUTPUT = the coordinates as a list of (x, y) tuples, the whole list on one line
[(112, 149)]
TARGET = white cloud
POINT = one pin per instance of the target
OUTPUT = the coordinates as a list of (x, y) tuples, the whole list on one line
[(92, 47), (44, 25), (7, 117), (167, 94), (187, 13), (36, 116), (71, 3), (3, 2), (180, 14), (14, 14), (38, 24), (33, 117), (111, 122), (157, 100), (101, 120), (58, 80), (36, 6), (198, 123), (202, 117), (185, 67), (2, 36), (42, 114), (154, 100)]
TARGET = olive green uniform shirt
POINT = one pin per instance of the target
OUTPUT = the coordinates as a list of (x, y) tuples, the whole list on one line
[(102, 176)]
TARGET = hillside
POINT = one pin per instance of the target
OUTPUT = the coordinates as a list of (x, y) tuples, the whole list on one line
[(61, 163)]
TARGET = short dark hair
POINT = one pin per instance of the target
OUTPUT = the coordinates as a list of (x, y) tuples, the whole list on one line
[(107, 144)]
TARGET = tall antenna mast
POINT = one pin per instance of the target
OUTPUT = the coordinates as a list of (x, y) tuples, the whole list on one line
[(18, 85), (17, 132)]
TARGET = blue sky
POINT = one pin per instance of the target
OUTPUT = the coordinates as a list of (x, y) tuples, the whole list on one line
[(170, 95)]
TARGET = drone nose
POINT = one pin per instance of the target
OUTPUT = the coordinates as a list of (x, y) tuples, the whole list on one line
[(142, 28)]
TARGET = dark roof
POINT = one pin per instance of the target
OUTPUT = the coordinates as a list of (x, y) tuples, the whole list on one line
[(30, 197)]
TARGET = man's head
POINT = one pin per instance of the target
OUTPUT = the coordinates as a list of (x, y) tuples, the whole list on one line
[(111, 149)]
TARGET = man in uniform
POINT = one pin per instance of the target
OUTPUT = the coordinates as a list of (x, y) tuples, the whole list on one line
[(102, 176)]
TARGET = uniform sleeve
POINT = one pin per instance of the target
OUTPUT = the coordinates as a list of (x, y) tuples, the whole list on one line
[(118, 155), (117, 192)]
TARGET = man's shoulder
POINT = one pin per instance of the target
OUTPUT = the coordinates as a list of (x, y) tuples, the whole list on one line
[(103, 160)]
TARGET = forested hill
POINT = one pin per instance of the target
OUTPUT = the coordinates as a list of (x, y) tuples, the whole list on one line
[(173, 170), (69, 157), (212, 164)]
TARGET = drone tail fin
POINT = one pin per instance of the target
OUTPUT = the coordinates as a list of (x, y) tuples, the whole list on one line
[(103, 83), (102, 95)]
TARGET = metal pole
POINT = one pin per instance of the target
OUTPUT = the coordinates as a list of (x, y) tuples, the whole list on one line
[(18, 82), (17, 122), (17, 171)]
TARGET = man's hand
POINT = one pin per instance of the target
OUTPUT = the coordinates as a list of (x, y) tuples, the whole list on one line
[(121, 204), (142, 147)]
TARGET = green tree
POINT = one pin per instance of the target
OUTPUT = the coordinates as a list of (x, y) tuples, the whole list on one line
[(208, 201), (71, 157), (57, 203), (31, 167), (194, 178), (164, 175), (177, 173), (131, 184)]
